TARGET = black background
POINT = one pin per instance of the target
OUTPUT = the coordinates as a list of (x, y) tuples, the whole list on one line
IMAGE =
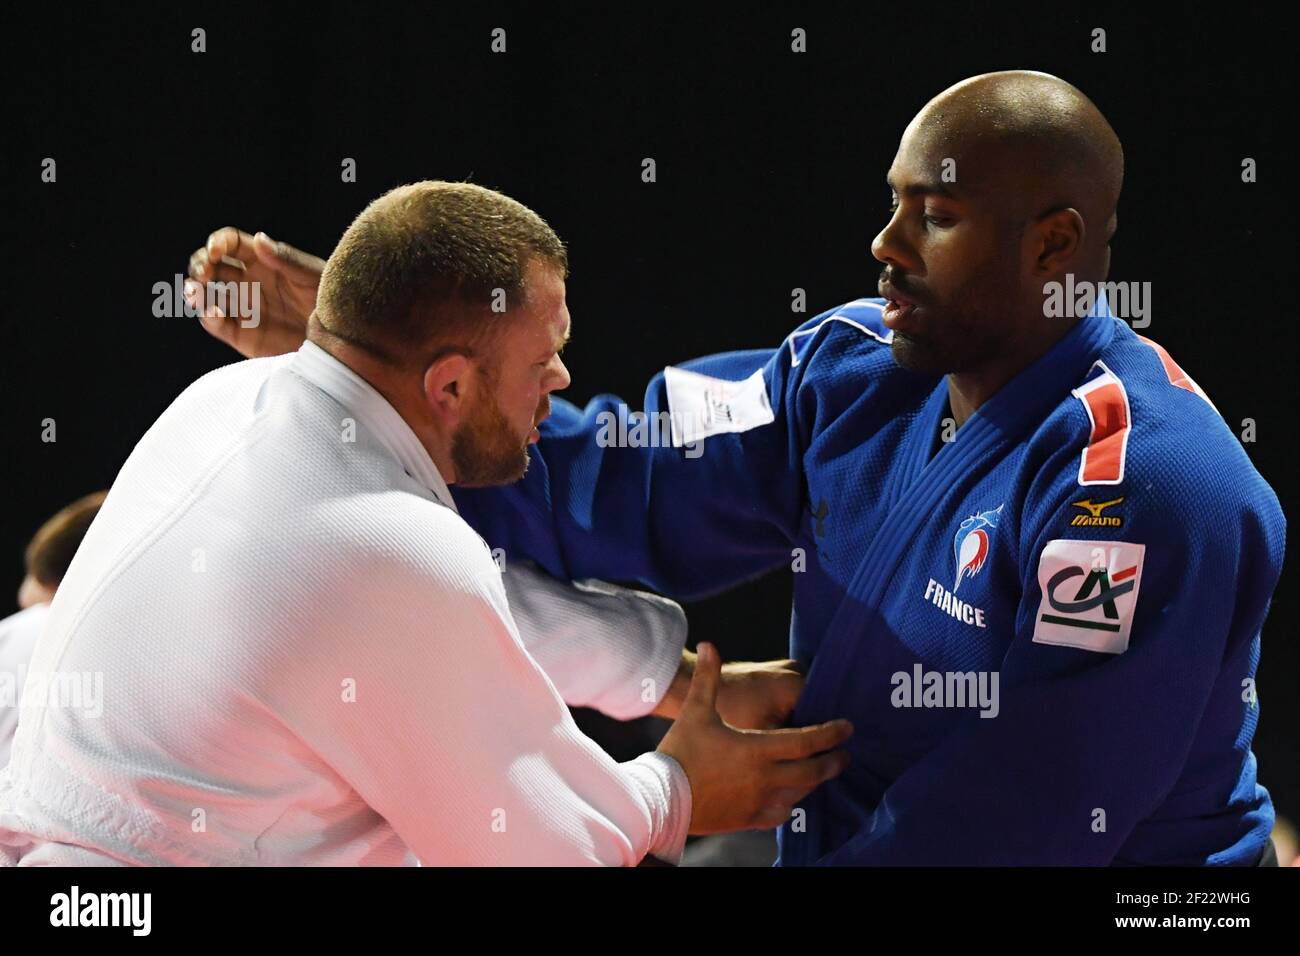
[(770, 169)]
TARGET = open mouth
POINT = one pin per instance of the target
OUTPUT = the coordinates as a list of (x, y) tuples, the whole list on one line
[(898, 307), (896, 312), (535, 435)]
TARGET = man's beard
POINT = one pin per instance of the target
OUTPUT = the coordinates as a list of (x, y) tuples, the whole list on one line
[(963, 347), (485, 450), (955, 340)]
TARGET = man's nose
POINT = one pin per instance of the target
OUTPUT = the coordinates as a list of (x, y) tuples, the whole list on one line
[(889, 247), (560, 379)]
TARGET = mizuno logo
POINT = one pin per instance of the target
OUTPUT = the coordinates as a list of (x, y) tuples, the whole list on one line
[(1096, 509), (1094, 518)]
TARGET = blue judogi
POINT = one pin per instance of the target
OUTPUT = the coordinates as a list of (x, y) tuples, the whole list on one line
[(1044, 630)]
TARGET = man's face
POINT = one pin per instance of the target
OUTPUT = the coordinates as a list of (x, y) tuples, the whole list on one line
[(952, 257), (512, 396)]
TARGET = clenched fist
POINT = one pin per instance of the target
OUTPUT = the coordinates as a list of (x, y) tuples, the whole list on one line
[(288, 279)]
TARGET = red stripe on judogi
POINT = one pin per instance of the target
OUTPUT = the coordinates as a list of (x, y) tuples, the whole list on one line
[(1103, 459), (1172, 369)]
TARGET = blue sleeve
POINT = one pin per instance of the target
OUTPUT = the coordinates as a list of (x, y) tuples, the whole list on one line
[(1086, 745), (685, 521)]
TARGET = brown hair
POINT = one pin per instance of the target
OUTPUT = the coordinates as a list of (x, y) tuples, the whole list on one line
[(419, 268), (51, 549)]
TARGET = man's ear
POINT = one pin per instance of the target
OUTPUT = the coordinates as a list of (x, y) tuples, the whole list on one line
[(447, 386), (1057, 239)]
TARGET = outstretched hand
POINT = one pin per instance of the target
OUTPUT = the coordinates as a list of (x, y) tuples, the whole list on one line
[(287, 277)]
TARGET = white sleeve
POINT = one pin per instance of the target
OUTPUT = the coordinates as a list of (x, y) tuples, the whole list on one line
[(411, 682), (602, 646)]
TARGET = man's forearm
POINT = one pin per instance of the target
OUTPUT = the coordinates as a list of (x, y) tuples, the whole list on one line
[(602, 646)]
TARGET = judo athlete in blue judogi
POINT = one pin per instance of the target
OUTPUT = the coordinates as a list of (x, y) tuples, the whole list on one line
[(1033, 562)]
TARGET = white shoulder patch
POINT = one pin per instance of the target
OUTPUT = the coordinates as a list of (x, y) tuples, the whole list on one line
[(1090, 591), (700, 405)]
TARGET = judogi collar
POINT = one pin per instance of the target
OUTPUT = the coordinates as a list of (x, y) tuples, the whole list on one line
[(357, 395)]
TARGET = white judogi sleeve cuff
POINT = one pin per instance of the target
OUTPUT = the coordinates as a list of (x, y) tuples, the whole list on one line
[(667, 792), (602, 646)]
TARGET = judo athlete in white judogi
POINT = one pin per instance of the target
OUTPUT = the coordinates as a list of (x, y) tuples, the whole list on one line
[(48, 555), (308, 657)]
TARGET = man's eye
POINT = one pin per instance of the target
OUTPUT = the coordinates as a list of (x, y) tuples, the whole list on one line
[(927, 219)]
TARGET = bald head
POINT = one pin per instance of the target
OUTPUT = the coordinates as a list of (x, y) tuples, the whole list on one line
[(1003, 185), (1032, 139)]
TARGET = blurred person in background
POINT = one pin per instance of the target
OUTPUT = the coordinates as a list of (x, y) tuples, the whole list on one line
[(1286, 842), (47, 558)]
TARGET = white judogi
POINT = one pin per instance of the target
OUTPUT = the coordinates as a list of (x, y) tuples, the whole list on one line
[(18, 634), (307, 657)]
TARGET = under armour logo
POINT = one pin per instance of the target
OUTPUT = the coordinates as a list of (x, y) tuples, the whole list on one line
[(820, 514)]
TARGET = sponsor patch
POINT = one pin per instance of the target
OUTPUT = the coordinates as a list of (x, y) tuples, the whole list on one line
[(1090, 591), (701, 405)]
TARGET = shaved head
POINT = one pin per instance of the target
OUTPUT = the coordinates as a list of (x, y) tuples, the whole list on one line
[(1002, 183), (1035, 140)]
